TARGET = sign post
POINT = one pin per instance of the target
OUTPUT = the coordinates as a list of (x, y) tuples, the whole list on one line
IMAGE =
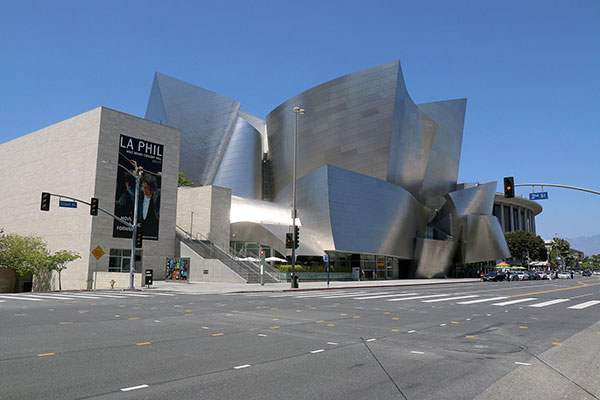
[(326, 259), (262, 267), (97, 252)]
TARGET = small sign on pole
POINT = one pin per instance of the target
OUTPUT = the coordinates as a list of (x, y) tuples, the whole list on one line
[(538, 196), (98, 252), (67, 204)]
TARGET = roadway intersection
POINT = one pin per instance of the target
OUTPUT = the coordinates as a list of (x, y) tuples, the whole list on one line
[(532, 339)]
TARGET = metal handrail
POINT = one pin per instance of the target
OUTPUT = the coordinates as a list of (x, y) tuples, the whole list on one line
[(243, 265)]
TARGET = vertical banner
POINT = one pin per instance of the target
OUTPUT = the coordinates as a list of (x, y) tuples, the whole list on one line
[(135, 153)]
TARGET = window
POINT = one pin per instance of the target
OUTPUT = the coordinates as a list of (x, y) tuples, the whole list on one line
[(497, 212), (507, 227), (516, 218), (119, 260)]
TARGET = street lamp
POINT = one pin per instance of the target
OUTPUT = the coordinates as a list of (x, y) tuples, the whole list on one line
[(297, 110)]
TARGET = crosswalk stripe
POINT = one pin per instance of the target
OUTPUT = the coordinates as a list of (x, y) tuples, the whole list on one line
[(508, 303), (417, 297), (585, 305), (349, 295), (383, 296), (112, 296), (80, 296), (164, 294), (338, 296), (548, 303), (450, 298), (135, 295), (50, 297), (328, 294), (481, 300), (20, 298)]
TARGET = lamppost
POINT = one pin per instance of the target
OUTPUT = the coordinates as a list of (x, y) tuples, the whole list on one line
[(297, 110)]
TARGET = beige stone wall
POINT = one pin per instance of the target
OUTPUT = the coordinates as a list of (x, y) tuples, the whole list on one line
[(216, 271), (77, 157), (211, 206)]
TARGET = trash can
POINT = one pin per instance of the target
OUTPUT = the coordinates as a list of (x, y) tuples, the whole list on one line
[(295, 281), (356, 273), (148, 277)]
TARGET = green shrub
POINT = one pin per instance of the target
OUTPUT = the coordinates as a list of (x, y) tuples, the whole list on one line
[(311, 268)]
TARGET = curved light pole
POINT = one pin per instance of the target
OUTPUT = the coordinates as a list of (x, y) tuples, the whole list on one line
[(297, 110)]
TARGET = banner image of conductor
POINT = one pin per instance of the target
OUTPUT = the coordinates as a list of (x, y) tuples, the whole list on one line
[(133, 155)]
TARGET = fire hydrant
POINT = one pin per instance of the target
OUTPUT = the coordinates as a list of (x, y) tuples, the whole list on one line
[(112, 283)]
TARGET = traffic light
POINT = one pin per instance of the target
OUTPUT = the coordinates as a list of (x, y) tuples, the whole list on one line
[(138, 239), (289, 241), (509, 187), (94, 206), (297, 237), (45, 206)]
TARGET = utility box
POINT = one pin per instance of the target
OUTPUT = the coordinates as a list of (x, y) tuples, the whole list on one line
[(148, 277), (356, 273)]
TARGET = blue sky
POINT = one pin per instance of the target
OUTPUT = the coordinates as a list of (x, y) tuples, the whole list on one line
[(529, 69)]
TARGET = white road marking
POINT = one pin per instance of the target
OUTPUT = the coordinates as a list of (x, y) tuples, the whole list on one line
[(417, 352), (19, 298), (134, 388), (385, 295), (370, 340), (584, 305), (332, 343), (136, 295), (508, 303), (413, 331), (481, 300), (521, 363), (109, 295), (548, 303), (163, 294), (2, 301), (450, 298), (155, 319), (49, 297), (468, 319), (418, 297), (317, 351), (336, 296), (262, 335), (242, 366), (77, 295), (442, 324)]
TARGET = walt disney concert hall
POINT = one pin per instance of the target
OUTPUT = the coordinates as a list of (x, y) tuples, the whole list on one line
[(376, 174)]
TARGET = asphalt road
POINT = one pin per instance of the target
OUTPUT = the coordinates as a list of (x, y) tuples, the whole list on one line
[(497, 340)]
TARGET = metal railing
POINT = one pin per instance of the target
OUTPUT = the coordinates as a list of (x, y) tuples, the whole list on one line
[(248, 270)]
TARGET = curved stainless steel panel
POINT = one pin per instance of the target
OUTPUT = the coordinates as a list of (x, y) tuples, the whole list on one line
[(444, 158), (483, 239), (348, 124), (357, 213), (240, 168), (475, 200), (435, 257), (206, 120), (413, 134)]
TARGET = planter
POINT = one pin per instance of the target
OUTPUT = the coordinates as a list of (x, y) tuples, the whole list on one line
[(8, 277)]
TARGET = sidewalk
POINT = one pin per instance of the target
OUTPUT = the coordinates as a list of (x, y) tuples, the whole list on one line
[(219, 287)]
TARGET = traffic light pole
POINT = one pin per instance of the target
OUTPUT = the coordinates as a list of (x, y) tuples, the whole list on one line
[(559, 186), (138, 175)]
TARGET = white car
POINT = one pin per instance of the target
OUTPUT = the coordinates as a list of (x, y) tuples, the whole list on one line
[(564, 275)]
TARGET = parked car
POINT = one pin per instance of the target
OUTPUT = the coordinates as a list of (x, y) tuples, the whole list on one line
[(523, 276), (587, 272), (494, 276), (512, 276), (534, 276), (564, 275)]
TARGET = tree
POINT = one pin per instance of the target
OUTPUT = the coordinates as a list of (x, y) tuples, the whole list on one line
[(183, 181), (28, 255), (58, 262), (525, 244), (561, 249)]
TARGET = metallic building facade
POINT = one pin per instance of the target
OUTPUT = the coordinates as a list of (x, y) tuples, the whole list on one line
[(376, 173)]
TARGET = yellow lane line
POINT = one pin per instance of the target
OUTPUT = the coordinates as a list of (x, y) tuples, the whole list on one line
[(523, 327), (470, 337), (356, 317), (187, 315), (217, 334), (557, 343), (65, 323), (454, 322), (132, 319), (580, 286), (142, 343), (274, 327), (46, 354)]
